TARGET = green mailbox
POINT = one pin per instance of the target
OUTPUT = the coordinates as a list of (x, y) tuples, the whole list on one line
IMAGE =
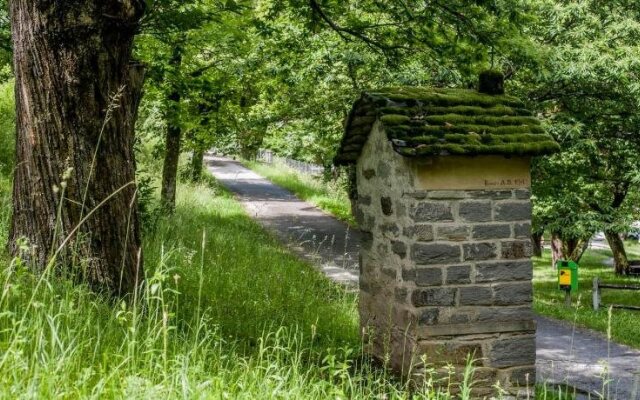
[(567, 275)]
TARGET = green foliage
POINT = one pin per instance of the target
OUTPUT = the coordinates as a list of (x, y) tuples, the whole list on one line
[(583, 84), (5, 34), (7, 127)]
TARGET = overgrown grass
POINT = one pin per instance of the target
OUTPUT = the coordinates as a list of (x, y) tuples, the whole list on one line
[(226, 313), (331, 197), (549, 301)]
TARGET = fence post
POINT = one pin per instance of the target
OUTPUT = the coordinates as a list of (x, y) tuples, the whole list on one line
[(596, 293)]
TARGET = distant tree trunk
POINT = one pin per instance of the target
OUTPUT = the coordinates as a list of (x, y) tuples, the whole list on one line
[(557, 248), (567, 249), (581, 247), (77, 94), (173, 137), (619, 254), (197, 164), (536, 240)]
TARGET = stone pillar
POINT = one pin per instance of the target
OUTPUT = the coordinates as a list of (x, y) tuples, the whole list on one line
[(445, 274)]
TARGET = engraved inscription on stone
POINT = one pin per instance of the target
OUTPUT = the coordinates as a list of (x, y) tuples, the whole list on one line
[(506, 182), (467, 173)]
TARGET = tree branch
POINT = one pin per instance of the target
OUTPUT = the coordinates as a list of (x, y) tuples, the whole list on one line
[(344, 32)]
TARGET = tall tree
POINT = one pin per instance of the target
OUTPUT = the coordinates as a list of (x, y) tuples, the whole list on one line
[(77, 93), (586, 87)]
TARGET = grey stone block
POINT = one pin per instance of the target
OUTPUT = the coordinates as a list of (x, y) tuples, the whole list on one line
[(518, 351), (507, 294), (401, 294), (492, 194), (480, 251), (491, 231), (505, 314), (383, 170), (390, 272), (399, 248), (453, 233), (368, 173), (458, 274), (522, 231), (475, 211), (435, 253), (523, 194), (391, 230), (401, 210), (447, 194), (365, 222), (366, 240), (434, 297), (431, 211), (420, 232), (428, 276), (475, 296), (364, 200), (386, 205), (419, 195), (517, 249), (429, 316), (513, 211), (504, 271), (459, 318)]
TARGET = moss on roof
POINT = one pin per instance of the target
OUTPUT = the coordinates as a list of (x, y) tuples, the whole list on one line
[(430, 121)]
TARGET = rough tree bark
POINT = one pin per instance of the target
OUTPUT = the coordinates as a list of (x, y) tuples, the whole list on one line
[(536, 241), (197, 163), (173, 140), (621, 262), (567, 249), (557, 248), (77, 94)]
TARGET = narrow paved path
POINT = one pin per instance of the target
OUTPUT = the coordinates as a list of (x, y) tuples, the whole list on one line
[(308, 231), (578, 357)]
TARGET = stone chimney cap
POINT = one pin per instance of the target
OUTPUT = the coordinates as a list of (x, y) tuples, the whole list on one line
[(491, 82)]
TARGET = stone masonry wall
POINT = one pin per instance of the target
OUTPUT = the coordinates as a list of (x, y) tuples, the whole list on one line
[(444, 274)]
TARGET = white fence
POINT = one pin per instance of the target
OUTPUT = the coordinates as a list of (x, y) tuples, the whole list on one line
[(267, 156)]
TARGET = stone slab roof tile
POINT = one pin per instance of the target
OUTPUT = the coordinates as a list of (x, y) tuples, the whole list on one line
[(431, 121)]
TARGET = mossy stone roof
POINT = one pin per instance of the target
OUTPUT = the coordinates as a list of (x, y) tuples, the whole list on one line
[(430, 121)]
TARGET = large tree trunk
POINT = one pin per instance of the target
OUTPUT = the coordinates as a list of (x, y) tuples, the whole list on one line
[(619, 254), (77, 94), (536, 240), (174, 137)]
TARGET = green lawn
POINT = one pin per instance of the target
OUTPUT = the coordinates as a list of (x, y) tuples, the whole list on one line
[(623, 325), (329, 196)]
